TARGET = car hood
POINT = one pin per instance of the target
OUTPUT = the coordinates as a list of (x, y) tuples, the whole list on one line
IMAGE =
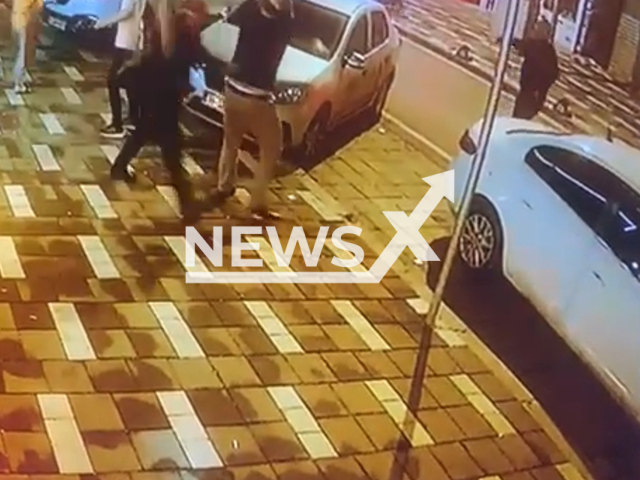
[(297, 67), (96, 8)]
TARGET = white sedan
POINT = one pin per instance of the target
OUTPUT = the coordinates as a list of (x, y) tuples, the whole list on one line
[(559, 215), (340, 61)]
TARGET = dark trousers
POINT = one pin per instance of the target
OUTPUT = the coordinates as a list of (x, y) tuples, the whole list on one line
[(530, 100), (158, 124), (120, 56)]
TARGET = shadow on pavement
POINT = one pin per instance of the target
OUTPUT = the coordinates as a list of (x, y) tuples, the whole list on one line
[(206, 141), (337, 139), (597, 428)]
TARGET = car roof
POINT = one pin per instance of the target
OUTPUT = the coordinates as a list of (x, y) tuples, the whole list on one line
[(347, 7), (618, 157)]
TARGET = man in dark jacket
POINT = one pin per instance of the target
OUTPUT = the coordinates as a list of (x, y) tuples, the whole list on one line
[(538, 73), (265, 31)]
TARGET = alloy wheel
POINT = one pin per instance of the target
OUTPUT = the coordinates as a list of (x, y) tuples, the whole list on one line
[(312, 138), (478, 241)]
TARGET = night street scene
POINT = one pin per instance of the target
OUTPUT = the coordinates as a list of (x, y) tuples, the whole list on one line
[(320, 239)]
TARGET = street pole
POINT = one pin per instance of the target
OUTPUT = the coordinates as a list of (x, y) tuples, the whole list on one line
[(554, 20), (491, 111)]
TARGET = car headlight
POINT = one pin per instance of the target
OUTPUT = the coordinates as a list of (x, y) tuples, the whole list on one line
[(290, 94)]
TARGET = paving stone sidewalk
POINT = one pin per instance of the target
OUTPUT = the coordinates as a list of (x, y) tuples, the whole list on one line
[(110, 365), (596, 101)]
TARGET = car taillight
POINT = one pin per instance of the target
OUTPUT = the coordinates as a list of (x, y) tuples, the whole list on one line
[(467, 144)]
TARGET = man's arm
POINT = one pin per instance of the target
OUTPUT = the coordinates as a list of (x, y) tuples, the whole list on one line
[(123, 14)]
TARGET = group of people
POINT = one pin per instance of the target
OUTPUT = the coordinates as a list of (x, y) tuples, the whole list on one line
[(156, 43)]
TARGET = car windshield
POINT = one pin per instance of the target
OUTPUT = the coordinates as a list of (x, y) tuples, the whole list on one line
[(316, 31)]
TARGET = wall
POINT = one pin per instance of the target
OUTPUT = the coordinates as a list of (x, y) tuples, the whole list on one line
[(624, 61)]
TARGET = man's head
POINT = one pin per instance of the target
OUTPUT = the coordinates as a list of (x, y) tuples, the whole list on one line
[(541, 30)]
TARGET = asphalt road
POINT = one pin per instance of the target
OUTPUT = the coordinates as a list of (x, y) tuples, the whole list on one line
[(603, 435), (434, 97)]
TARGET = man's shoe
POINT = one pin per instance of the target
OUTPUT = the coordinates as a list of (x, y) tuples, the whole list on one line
[(191, 212), (263, 213), (218, 197), (112, 131), (22, 88), (122, 175)]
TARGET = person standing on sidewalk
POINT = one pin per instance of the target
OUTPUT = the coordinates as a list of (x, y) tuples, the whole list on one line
[(265, 31), (170, 39), (127, 43), (538, 73), (24, 15)]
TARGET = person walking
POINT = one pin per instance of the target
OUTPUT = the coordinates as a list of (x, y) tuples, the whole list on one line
[(249, 107), (538, 73), (170, 39), (24, 15), (127, 43)]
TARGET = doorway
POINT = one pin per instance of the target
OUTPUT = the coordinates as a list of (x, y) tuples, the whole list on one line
[(601, 30)]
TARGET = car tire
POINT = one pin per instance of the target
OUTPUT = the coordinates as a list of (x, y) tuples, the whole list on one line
[(481, 244), (380, 100), (313, 141)]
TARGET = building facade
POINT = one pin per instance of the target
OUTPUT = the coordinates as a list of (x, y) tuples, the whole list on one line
[(604, 30), (625, 58)]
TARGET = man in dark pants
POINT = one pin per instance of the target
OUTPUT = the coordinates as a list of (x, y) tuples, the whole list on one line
[(126, 44), (159, 78), (538, 73)]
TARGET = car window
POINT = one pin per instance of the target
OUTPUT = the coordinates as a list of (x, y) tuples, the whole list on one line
[(380, 29), (621, 231), (317, 31), (578, 181), (603, 201), (359, 39)]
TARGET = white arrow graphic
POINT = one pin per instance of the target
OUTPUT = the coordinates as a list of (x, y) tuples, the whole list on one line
[(408, 235)]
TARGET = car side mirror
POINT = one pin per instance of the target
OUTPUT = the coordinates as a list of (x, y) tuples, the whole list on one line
[(354, 60)]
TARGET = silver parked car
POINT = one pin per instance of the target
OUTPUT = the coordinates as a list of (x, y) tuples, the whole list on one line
[(340, 62)]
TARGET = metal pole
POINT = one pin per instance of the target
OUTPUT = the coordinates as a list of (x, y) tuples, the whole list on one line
[(478, 162), (419, 372), (554, 20)]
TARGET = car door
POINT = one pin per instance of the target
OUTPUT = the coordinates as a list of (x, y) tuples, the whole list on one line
[(604, 319), (553, 218), (380, 57), (354, 70)]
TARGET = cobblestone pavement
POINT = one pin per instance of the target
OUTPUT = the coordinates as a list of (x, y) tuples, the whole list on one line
[(597, 103), (111, 365)]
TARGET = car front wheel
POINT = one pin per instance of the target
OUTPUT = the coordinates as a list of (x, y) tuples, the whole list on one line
[(314, 137), (480, 247)]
